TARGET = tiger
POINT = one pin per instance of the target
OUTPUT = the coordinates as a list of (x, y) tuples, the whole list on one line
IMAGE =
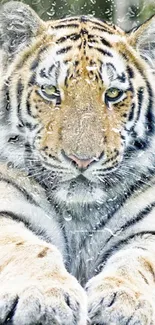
[(77, 165)]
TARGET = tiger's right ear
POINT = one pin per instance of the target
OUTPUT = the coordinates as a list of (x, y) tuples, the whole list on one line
[(143, 39), (18, 25)]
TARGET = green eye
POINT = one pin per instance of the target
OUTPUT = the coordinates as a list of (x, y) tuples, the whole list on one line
[(113, 94), (49, 90), (51, 93)]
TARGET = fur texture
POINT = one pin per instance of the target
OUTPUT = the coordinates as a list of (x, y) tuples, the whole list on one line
[(77, 181)]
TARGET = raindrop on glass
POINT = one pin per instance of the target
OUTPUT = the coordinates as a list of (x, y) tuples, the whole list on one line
[(68, 217)]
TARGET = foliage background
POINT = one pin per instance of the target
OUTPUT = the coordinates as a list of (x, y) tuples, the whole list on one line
[(126, 13)]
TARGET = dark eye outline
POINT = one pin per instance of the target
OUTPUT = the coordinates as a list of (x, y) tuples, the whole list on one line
[(113, 99), (50, 97)]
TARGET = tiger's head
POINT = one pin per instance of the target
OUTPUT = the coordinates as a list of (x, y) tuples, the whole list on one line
[(76, 99)]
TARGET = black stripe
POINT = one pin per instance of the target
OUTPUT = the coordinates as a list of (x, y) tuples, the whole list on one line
[(64, 50), (140, 216), (51, 68), (140, 102), (30, 126), (42, 73), (112, 158), (150, 121), (85, 19), (92, 38), (34, 64), (7, 97), (130, 72), (66, 78), (42, 50), (100, 24), (20, 88), (102, 29), (104, 52), (114, 209), (110, 168), (66, 26), (84, 31), (41, 233), (105, 42), (69, 19), (141, 144), (27, 195), (32, 80), (5, 104), (122, 78), (14, 216), (73, 37), (131, 114), (117, 246), (28, 106)]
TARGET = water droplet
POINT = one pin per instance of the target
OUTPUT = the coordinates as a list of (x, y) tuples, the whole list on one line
[(35, 2), (93, 1), (10, 164), (68, 217), (13, 139), (51, 12), (49, 127)]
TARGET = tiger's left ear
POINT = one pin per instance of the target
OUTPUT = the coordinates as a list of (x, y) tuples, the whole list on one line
[(143, 39), (19, 24)]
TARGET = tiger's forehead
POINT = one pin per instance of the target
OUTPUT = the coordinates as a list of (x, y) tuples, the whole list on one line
[(84, 25), (80, 53), (80, 46), (87, 29)]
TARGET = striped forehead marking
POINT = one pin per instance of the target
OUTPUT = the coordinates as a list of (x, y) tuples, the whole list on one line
[(84, 26)]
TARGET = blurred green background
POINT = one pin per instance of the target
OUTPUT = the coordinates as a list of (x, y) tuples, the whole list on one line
[(126, 13)]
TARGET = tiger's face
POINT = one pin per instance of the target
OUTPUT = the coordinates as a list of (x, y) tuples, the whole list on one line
[(82, 102)]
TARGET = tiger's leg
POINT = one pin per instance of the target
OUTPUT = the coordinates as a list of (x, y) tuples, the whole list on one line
[(124, 292), (35, 286)]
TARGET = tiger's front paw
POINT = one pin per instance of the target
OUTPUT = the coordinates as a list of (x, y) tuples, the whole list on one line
[(36, 289), (58, 302), (112, 302)]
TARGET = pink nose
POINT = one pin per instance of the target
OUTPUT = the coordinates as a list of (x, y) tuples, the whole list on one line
[(82, 163)]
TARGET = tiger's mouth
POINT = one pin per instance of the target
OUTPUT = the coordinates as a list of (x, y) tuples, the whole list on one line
[(79, 191), (80, 182), (67, 185)]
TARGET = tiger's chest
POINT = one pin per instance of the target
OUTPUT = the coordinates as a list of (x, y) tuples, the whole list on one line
[(93, 238)]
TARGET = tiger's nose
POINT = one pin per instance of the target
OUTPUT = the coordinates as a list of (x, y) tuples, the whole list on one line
[(81, 163)]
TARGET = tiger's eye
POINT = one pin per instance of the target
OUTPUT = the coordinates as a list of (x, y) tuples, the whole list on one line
[(49, 90), (50, 93), (113, 94)]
